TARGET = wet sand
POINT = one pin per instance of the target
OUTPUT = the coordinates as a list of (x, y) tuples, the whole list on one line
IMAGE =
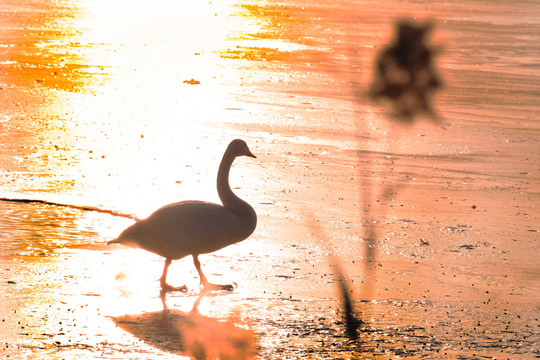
[(435, 225)]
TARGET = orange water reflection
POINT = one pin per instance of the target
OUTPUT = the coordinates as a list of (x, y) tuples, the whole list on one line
[(115, 116)]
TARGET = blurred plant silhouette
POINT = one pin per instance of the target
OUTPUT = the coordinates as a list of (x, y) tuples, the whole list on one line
[(405, 72)]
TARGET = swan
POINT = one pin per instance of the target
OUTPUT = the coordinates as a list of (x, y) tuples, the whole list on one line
[(196, 227)]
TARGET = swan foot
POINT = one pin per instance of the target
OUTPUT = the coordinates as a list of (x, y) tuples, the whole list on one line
[(165, 288), (220, 287)]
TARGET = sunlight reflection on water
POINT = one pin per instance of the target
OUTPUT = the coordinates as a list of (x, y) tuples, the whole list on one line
[(119, 125), (141, 121)]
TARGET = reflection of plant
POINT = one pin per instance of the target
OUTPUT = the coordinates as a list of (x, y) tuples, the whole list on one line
[(352, 321), (351, 317), (405, 73)]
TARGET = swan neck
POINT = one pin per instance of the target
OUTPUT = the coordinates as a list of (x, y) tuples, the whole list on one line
[(228, 198)]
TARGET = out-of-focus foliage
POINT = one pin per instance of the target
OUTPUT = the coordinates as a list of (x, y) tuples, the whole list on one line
[(405, 72)]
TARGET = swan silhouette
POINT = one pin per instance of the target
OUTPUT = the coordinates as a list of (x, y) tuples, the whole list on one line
[(196, 227)]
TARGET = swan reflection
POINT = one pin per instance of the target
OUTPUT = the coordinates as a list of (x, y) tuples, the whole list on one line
[(189, 333)]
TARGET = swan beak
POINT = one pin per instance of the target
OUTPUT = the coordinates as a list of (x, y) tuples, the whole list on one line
[(250, 154)]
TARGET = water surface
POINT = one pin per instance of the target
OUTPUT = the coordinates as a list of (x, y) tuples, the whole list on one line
[(129, 106)]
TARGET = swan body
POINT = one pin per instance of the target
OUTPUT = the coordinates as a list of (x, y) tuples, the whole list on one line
[(196, 227)]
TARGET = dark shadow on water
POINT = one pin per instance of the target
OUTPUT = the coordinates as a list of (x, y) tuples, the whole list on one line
[(161, 329), (190, 333)]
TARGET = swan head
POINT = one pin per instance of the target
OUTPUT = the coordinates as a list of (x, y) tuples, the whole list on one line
[(240, 148)]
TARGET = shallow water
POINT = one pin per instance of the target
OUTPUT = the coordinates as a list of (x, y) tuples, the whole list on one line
[(434, 223)]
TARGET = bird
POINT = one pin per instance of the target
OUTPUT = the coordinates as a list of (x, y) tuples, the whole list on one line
[(196, 227)]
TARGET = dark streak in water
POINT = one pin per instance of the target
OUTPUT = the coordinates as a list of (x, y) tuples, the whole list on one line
[(71, 206)]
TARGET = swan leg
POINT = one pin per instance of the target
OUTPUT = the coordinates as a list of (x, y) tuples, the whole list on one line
[(163, 280), (204, 281)]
